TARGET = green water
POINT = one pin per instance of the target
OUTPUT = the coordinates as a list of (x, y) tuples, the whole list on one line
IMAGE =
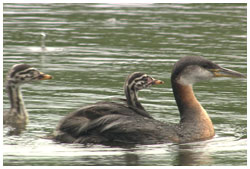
[(90, 50)]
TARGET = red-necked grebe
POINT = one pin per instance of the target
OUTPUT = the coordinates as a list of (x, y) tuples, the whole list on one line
[(112, 123)]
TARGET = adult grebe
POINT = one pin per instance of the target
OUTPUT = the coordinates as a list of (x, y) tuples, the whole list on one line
[(83, 119), (119, 125), (19, 74)]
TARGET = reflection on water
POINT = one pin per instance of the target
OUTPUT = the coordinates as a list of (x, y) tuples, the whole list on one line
[(187, 156), (91, 48)]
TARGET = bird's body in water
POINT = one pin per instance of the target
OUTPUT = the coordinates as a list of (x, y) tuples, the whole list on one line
[(88, 117), (115, 124), (17, 116)]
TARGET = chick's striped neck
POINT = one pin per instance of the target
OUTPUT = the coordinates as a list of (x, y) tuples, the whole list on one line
[(15, 97), (131, 95)]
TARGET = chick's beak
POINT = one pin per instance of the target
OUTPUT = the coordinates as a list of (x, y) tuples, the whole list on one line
[(223, 72), (43, 76), (155, 82)]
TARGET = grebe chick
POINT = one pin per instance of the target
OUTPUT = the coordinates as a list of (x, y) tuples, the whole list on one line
[(137, 81), (86, 118), (18, 75)]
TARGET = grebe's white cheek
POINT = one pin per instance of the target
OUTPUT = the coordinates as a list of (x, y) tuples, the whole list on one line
[(204, 75), (193, 74)]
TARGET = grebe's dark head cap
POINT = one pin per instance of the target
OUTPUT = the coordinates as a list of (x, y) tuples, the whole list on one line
[(203, 64), (192, 60)]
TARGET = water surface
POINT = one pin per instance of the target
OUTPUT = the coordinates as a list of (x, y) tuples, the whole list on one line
[(91, 48)]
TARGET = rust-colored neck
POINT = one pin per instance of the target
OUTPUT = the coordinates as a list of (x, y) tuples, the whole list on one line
[(195, 121), (189, 106)]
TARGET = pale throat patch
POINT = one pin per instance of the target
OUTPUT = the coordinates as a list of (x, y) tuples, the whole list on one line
[(192, 74)]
